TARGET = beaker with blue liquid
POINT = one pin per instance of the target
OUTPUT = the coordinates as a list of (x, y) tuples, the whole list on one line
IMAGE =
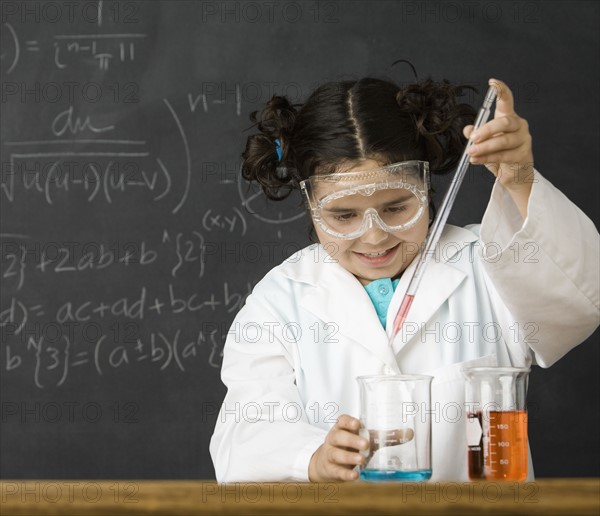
[(395, 417)]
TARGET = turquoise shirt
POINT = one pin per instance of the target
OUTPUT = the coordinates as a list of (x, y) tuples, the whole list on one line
[(381, 291)]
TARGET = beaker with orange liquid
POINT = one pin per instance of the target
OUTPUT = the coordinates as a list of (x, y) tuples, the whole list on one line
[(496, 422)]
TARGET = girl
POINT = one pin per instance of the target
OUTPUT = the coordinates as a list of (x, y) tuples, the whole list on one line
[(361, 153)]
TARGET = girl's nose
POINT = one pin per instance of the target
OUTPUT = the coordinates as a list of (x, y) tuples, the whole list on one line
[(374, 235)]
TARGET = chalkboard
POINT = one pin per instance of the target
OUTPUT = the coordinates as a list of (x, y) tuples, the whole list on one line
[(129, 240)]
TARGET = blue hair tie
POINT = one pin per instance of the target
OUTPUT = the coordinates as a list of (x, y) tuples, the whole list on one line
[(278, 148)]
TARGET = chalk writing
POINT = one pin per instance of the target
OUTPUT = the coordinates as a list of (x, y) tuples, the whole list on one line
[(97, 173), (184, 252), (55, 359), (73, 50), (126, 243)]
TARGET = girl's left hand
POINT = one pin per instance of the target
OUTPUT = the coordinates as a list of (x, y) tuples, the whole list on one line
[(504, 144)]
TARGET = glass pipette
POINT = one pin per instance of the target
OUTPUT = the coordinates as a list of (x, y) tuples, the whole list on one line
[(440, 220)]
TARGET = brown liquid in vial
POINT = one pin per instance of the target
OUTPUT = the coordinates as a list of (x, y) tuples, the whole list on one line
[(475, 453)]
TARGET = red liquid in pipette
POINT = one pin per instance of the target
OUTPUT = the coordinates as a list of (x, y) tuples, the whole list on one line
[(402, 313), (440, 219)]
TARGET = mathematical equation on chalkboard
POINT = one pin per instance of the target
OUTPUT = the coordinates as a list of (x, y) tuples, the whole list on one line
[(180, 252), (57, 350), (113, 168), (51, 344), (54, 337), (121, 242), (100, 49)]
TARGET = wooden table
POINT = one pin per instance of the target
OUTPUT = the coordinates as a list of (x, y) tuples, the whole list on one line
[(545, 496)]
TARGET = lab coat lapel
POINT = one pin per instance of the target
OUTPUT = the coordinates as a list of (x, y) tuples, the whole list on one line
[(339, 298), (438, 283)]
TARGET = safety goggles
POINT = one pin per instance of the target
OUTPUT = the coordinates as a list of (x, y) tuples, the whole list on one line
[(347, 204)]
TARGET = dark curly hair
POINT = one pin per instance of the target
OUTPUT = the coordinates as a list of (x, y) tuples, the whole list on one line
[(351, 121)]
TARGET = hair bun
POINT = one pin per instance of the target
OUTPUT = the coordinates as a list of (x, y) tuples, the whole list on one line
[(438, 119), (260, 160)]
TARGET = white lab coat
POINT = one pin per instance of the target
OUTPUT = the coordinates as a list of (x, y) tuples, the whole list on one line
[(508, 292)]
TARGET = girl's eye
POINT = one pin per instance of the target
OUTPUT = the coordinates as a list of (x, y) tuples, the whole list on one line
[(397, 209), (344, 217)]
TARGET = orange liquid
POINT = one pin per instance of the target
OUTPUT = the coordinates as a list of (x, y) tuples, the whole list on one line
[(506, 448)]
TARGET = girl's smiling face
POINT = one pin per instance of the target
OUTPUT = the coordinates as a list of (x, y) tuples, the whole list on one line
[(376, 254)]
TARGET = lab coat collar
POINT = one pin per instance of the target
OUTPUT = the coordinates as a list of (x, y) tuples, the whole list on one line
[(337, 297)]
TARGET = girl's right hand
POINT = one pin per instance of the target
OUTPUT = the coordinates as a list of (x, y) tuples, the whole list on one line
[(335, 459)]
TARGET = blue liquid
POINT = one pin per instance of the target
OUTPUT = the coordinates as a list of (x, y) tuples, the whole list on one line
[(382, 475)]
